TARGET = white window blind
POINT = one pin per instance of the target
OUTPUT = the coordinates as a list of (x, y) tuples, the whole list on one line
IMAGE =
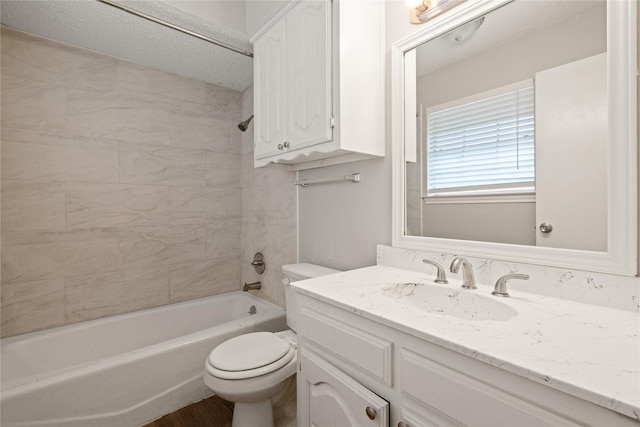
[(482, 145)]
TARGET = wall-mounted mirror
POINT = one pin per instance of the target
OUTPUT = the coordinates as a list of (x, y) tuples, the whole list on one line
[(514, 134)]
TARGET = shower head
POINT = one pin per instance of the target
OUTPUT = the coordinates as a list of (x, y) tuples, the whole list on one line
[(244, 125)]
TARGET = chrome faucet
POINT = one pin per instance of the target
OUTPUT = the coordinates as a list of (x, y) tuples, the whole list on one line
[(441, 277), (468, 281), (501, 284)]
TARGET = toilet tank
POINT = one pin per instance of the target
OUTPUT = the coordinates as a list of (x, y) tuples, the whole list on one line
[(294, 273)]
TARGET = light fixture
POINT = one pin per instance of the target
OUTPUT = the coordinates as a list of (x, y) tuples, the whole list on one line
[(463, 32), (420, 11)]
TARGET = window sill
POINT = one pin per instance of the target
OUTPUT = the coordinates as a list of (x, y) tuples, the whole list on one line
[(487, 198)]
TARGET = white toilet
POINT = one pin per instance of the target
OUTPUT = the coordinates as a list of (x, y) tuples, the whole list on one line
[(250, 369)]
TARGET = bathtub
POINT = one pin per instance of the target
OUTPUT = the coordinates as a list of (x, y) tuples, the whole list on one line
[(124, 370)]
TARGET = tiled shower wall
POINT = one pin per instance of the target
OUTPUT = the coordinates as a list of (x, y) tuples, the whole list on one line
[(121, 188), (269, 217)]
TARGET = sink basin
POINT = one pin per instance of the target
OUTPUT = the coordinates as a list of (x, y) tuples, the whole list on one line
[(463, 304)]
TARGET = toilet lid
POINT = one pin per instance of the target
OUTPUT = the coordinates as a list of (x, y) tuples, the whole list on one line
[(248, 352)]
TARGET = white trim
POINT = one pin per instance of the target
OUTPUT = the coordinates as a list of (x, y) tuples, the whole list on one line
[(278, 14), (621, 257), (486, 199)]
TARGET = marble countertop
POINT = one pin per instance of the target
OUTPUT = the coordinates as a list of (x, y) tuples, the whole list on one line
[(586, 351)]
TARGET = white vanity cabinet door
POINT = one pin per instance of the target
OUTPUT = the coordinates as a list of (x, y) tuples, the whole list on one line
[(330, 398), (308, 71), (269, 94)]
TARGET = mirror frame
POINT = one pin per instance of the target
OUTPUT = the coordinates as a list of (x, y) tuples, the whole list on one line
[(622, 71)]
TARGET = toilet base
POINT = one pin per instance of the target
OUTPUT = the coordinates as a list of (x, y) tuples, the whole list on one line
[(259, 414)]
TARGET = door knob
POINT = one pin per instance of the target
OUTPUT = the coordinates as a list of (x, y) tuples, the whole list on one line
[(371, 413), (545, 227)]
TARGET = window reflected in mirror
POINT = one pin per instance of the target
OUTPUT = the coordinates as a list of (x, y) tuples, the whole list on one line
[(512, 129)]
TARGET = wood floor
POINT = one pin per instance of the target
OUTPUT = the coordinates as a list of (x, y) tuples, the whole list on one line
[(211, 412)]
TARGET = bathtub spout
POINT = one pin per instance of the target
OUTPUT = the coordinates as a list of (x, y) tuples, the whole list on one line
[(252, 286)]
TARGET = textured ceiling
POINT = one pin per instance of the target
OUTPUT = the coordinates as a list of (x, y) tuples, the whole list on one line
[(111, 31)]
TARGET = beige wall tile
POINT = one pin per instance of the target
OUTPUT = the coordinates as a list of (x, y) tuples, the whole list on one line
[(204, 278), (269, 216), (197, 130), (197, 205), (280, 244), (92, 71), (276, 204), (33, 256), (40, 255), (223, 103), (33, 58), (64, 139), (223, 239), (34, 161), (132, 116), (246, 170), (223, 169), (33, 205), (110, 205), (31, 306), (177, 91), (122, 180), (162, 245), (105, 294), (30, 104), (155, 164), (272, 287)]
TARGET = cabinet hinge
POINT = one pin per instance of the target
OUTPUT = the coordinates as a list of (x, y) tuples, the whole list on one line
[(332, 122)]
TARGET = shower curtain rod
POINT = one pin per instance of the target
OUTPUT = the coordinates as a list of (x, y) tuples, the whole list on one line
[(177, 28)]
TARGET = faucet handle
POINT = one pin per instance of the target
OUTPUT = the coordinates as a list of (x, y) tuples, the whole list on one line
[(500, 289), (441, 277)]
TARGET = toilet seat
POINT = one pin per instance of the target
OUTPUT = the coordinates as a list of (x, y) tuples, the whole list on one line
[(238, 357)]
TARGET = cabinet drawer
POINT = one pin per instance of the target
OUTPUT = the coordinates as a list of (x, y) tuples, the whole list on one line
[(344, 337), (443, 390)]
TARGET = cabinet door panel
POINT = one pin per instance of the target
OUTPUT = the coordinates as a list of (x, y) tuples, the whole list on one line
[(269, 91), (328, 397), (308, 74)]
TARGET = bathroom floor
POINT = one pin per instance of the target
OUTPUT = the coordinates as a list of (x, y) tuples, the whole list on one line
[(210, 412)]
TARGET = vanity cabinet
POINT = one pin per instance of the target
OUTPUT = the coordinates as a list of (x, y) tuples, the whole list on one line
[(332, 398), (424, 383), (319, 85)]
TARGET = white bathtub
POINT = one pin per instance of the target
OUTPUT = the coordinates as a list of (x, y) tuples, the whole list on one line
[(123, 370)]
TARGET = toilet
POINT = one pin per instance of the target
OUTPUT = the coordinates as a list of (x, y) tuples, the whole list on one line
[(236, 372)]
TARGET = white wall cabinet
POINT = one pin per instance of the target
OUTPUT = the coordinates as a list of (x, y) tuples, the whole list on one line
[(425, 384), (319, 84)]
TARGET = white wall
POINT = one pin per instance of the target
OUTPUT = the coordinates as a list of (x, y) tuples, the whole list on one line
[(340, 224), (258, 12)]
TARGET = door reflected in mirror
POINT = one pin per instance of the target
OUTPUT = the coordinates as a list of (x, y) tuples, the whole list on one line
[(512, 129)]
